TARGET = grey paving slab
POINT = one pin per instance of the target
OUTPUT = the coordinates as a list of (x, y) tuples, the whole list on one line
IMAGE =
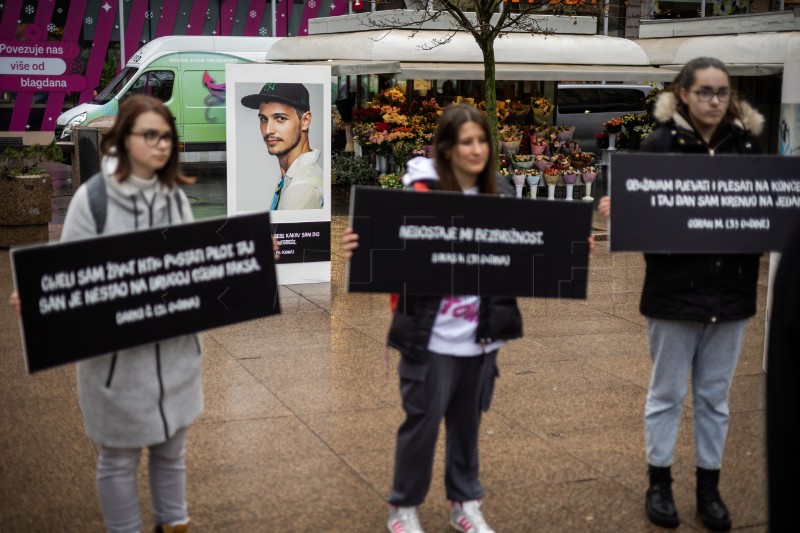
[(302, 411)]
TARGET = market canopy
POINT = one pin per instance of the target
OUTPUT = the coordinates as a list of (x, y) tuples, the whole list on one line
[(747, 54), (518, 56)]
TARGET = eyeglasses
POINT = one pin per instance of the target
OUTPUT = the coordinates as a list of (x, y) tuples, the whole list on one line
[(154, 138), (705, 95)]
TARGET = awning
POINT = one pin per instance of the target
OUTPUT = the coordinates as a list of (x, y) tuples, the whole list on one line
[(747, 54), (342, 67), (404, 45), (539, 72)]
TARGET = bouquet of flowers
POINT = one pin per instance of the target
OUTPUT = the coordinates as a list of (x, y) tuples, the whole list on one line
[(581, 159), (614, 125), (551, 176), (571, 175), (589, 174), (601, 140), (523, 161), (392, 96), (509, 134), (543, 162), (390, 181), (562, 162), (538, 145), (542, 109)]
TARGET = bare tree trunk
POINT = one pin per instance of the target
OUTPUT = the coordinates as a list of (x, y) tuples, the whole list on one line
[(491, 91)]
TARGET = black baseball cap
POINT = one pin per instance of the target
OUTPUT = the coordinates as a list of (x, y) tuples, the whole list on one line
[(293, 94)]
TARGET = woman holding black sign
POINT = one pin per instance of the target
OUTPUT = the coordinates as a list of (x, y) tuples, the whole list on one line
[(448, 345), (697, 305), (150, 394)]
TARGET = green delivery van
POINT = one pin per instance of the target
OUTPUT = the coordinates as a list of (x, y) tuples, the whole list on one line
[(188, 74)]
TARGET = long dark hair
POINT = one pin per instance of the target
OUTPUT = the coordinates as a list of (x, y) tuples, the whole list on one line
[(686, 78), (114, 142), (446, 138)]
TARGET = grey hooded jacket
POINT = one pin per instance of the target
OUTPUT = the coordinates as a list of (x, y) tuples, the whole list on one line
[(143, 395)]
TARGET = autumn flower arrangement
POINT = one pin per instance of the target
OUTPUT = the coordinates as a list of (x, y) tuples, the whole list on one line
[(551, 176), (614, 125)]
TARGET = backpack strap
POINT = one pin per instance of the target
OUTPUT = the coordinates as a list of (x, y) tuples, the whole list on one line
[(98, 200)]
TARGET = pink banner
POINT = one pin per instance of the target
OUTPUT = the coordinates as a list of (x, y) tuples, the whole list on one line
[(253, 24), (72, 29), (197, 18), (102, 35), (134, 23), (8, 25), (309, 12), (339, 8), (227, 13), (166, 24), (282, 18)]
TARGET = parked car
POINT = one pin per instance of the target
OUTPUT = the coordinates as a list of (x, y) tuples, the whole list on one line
[(587, 106)]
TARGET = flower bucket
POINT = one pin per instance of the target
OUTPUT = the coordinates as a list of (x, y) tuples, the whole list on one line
[(538, 149), (564, 136), (533, 181), (511, 147), (588, 177), (570, 178), (525, 165)]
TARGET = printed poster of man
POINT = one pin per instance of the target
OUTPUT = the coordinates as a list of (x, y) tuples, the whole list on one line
[(279, 160)]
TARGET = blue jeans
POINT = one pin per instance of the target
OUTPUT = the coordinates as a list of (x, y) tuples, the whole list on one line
[(711, 352), (116, 483)]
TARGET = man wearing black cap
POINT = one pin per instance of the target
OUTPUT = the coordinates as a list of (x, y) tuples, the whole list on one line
[(284, 114)]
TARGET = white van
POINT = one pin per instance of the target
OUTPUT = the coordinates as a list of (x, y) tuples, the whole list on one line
[(587, 106), (188, 74)]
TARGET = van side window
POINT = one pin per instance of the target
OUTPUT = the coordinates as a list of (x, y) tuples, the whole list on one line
[(623, 100), (575, 101), (156, 83)]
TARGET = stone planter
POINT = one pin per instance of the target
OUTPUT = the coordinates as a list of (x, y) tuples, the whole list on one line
[(25, 210)]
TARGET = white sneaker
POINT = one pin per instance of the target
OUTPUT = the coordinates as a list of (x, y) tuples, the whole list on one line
[(403, 520), (467, 518)]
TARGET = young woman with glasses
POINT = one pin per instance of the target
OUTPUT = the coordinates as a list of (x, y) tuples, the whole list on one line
[(145, 396), (697, 305)]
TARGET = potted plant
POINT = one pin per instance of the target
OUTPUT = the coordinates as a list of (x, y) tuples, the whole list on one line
[(26, 191)]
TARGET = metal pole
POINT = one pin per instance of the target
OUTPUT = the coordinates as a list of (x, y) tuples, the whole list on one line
[(702, 8), (274, 14), (605, 17), (121, 37)]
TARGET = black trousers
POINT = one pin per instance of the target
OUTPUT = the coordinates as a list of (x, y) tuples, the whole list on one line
[(433, 387)]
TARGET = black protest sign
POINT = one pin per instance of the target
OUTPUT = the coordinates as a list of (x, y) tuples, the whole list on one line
[(90, 297), (449, 243), (303, 242), (702, 204)]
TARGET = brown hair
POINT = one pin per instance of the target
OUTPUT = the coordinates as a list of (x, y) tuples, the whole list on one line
[(114, 142), (686, 78), (446, 138)]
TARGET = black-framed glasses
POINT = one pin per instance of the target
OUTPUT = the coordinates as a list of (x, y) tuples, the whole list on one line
[(154, 138), (705, 95)]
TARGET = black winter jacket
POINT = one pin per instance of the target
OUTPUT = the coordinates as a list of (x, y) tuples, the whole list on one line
[(499, 317), (700, 287)]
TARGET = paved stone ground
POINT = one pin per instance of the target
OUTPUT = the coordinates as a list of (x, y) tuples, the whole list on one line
[(302, 409)]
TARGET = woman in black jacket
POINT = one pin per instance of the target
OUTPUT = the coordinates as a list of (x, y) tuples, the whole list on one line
[(448, 345), (697, 305)]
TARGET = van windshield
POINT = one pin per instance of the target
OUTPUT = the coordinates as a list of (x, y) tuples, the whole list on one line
[(115, 86)]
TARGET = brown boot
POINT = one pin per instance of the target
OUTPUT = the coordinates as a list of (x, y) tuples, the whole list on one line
[(177, 528)]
